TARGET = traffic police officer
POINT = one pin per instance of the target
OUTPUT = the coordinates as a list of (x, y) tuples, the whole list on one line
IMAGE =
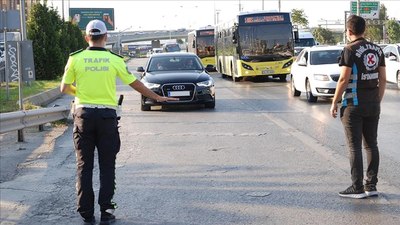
[(90, 75)]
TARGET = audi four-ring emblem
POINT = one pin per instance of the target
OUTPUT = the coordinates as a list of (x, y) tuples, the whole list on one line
[(178, 87)]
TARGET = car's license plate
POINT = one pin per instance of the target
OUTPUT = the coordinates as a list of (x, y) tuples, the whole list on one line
[(268, 71), (178, 93)]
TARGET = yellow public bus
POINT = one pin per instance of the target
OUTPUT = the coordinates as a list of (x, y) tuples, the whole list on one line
[(255, 44), (201, 43)]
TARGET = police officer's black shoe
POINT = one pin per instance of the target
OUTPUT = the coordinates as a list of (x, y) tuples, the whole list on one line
[(89, 221), (106, 218)]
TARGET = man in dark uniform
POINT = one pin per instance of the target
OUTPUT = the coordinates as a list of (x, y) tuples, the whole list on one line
[(94, 72), (361, 87)]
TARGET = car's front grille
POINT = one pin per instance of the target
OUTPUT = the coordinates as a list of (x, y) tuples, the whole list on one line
[(335, 77), (183, 91)]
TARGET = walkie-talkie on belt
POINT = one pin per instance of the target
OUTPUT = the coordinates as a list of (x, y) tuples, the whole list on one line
[(120, 100)]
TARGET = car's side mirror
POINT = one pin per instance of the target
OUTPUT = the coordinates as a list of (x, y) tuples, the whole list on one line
[(140, 69), (392, 58), (302, 62)]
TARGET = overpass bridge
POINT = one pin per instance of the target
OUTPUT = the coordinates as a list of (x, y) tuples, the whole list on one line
[(115, 39)]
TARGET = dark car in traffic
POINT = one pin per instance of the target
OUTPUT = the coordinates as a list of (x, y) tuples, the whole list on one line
[(180, 75)]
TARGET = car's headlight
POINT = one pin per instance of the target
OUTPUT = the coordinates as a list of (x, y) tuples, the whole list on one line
[(321, 77), (206, 83), (151, 85)]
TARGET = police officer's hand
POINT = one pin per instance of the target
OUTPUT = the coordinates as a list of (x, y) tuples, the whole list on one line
[(334, 108), (165, 99)]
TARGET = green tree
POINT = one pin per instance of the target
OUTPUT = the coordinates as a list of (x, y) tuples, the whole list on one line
[(52, 39), (43, 27), (374, 33), (72, 39), (323, 35), (299, 18), (393, 31)]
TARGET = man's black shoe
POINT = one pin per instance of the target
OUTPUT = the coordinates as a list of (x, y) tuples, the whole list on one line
[(106, 218), (89, 221), (352, 192), (370, 190)]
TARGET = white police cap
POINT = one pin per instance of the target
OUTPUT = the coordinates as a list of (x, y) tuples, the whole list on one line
[(96, 27)]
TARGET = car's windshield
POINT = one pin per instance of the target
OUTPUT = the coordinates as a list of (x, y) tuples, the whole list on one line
[(305, 42), (325, 57), (172, 48), (168, 63)]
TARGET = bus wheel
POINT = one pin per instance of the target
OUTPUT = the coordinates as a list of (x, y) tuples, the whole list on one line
[(236, 79), (282, 78), (223, 75)]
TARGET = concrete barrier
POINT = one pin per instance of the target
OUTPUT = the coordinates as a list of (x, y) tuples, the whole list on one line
[(44, 98)]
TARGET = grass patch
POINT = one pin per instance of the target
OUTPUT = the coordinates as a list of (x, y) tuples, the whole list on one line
[(35, 87)]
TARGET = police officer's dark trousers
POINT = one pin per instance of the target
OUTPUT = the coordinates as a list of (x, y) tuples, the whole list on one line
[(95, 128), (361, 125)]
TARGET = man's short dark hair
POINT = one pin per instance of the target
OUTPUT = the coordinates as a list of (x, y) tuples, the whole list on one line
[(356, 24), (96, 37)]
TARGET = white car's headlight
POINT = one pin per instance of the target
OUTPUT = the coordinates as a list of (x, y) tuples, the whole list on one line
[(321, 77), (206, 83), (151, 85)]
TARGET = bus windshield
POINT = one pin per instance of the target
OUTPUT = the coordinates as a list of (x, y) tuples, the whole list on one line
[(265, 42), (205, 46)]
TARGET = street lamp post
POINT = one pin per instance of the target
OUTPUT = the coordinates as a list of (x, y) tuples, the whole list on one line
[(119, 39)]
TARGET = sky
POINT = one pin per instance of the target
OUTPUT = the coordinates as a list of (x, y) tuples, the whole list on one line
[(136, 15)]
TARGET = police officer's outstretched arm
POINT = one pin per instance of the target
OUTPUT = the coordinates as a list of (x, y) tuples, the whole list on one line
[(139, 86)]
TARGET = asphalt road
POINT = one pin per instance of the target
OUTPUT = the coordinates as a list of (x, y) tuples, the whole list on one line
[(260, 157)]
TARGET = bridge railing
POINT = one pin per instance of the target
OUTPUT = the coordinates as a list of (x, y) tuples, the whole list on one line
[(144, 36)]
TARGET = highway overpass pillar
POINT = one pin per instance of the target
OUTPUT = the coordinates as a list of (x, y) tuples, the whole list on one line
[(155, 44)]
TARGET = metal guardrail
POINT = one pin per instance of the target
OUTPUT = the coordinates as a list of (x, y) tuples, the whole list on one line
[(22, 119)]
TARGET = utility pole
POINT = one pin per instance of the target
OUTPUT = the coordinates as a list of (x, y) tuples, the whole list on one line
[(279, 5), (22, 17), (6, 73), (23, 38), (62, 9)]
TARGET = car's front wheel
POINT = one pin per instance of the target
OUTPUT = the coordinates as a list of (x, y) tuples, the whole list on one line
[(210, 105), (310, 96), (293, 89), (398, 79), (145, 107)]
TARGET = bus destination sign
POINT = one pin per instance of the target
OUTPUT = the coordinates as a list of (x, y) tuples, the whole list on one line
[(264, 19), (206, 32)]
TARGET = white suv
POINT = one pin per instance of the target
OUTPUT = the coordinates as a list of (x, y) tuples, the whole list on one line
[(316, 72), (392, 60)]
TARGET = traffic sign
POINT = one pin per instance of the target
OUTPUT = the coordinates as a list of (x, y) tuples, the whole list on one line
[(375, 22), (368, 10)]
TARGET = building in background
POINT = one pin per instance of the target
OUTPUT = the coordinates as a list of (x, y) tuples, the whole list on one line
[(15, 4)]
